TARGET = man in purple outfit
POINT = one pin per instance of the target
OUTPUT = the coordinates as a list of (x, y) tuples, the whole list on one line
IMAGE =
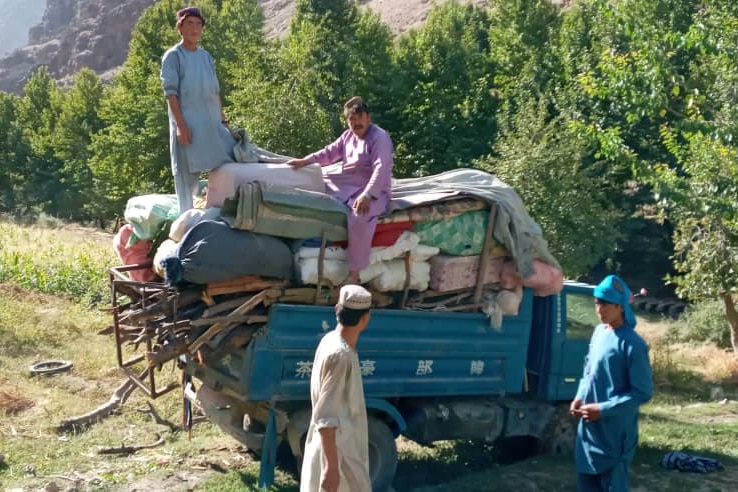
[(364, 182)]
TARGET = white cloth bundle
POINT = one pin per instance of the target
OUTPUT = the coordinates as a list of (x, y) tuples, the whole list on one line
[(386, 270)]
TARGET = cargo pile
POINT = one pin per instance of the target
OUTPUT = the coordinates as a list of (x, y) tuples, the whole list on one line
[(202, 282)]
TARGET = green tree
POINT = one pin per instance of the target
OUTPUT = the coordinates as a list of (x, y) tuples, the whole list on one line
[(291, 94), (12, 151), (77, 121), (622, 71), (10, 147), (564, 191), (339, 51), (521, 37), (700, 200), (278, 115), (37, 113), (445, 114), (699, 193)]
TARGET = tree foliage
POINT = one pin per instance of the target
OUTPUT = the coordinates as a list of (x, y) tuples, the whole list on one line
[(12, 151), (444, 78), (78, 120), (698, 193), (602, 115), (291, 93), (37, 114), (566, 193)]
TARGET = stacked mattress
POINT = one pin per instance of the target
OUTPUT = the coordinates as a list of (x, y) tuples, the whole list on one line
[(431, 239)]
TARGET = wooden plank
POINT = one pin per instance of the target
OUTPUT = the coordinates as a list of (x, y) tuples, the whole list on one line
[(168, 352), (249, 283), (218, 327), (246, 279), (321, 265), (224, 306), (486, 251), (248, 319), (239, 337)]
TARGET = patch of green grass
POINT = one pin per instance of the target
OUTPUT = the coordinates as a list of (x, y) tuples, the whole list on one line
[(34, 326), (247, 479), (57, 261), (705, 428)]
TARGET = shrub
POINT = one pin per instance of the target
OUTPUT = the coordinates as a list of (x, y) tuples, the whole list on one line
[(704, 322)]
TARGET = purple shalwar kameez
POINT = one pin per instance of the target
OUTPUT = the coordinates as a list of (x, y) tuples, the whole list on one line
[(366, 168)]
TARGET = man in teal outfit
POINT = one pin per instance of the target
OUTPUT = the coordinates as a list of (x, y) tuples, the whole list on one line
[(616, 381)]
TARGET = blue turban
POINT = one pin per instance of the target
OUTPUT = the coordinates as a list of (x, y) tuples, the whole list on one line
[(614, 290)]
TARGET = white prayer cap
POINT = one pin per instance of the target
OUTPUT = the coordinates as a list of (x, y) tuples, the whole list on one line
[(355, 297)]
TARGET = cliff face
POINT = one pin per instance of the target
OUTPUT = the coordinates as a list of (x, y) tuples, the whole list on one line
[(95, 33), (74, 34)]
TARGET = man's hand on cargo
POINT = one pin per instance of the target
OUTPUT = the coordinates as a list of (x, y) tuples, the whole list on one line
[(574, 408), (590, 412), (298, 163), (361, 205)]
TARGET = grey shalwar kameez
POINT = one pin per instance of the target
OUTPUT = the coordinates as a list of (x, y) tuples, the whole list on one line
[(190, 75)]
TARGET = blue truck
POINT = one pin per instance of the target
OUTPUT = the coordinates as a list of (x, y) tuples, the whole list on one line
[(432, 371), (428, 375)]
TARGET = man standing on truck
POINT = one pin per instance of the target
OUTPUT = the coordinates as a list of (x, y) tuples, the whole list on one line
[(337, 448), (364, 182), (616, 381)]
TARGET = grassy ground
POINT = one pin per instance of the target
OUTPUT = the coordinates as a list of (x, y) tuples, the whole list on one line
[(694, 408)]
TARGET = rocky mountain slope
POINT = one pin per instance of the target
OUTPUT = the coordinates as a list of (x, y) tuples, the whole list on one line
[(74, 34), (16, 16), (95, 33)]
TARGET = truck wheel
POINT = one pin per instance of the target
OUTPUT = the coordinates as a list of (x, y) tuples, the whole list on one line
[(560, 433), (382, 454)]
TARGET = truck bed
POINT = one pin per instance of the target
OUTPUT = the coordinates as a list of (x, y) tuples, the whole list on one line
[(402, 353)]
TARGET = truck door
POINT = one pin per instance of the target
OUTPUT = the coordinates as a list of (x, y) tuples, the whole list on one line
[(579, 320)]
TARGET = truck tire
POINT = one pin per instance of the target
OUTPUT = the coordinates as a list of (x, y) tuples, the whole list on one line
[(382, 454), (560, 434)]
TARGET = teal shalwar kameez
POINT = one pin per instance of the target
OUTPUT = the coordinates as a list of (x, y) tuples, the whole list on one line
[(617, 377), (190, 75)]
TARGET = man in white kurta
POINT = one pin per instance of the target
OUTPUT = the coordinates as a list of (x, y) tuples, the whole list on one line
[(337, 448)]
